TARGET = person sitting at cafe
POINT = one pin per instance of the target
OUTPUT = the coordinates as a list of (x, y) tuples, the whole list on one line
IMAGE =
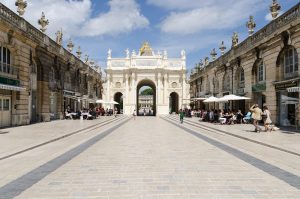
[(222, 119), (68, 115)]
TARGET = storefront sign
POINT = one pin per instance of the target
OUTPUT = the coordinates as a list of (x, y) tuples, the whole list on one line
[(69, 93), (286, 85), (259, 87), (8, 81), (293, 89)]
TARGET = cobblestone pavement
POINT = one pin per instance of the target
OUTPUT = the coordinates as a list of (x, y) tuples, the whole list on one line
[(151, 158)]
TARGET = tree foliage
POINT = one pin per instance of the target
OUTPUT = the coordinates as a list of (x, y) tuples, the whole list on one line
[(147, 91)]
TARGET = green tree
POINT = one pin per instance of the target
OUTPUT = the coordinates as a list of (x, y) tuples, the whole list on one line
[(147, 91)]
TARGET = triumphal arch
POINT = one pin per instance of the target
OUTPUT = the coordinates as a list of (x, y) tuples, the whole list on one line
[(166, 76)]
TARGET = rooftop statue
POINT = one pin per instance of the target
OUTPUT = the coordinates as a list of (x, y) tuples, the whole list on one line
[(59, 37), (182, 54), (109, 53), (127, 53), (146, 50), (235, 39)]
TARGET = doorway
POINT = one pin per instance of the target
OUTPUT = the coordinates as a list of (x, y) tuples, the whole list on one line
[(173, 102), (118, 97), (146, 98)]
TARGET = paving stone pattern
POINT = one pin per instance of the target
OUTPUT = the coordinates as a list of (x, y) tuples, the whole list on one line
[(151, 158)]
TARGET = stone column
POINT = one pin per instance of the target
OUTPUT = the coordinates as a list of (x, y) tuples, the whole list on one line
[(126, 88), (159, 101), (166, 101), (183, 88), (133, 89), (108, 87)]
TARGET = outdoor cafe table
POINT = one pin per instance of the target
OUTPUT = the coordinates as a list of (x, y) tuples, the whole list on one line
[(227, 118)]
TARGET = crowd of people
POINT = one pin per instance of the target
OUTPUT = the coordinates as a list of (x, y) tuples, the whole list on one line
[(89, 114), (254, 116)]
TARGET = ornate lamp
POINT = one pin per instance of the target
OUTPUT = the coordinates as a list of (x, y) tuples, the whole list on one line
[(78, 52), (43, 22), (21, 4), (275, 8), (70, 45), (213, 54), (222, 48), (251, 25)]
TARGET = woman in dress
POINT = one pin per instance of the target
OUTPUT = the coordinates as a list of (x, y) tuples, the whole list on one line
[(267, 119)]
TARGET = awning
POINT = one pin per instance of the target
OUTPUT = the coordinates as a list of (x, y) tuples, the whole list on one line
[(12, 88)]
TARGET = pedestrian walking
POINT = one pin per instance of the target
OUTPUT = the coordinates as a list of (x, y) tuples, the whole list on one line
[(256, 116), (181, 114), (134, 114), (267, 119), (144, 112)]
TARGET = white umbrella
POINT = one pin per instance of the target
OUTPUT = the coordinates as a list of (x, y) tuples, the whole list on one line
[(211, 99), (112, 102), (100, 101), (231, 97), (199, 98)]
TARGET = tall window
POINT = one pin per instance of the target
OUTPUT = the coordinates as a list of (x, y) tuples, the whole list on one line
[(216, 85), (242, 76), (261, 75), (226, 82), (4, 60), (290, 61), (51, 75)]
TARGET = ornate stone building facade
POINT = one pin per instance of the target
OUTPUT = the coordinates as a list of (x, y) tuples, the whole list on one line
[(39, 78), (264, 67), (166, 76)]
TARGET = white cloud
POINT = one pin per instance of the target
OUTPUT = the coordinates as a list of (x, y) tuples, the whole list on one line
[(74, 17), (123, 16), (268, 17), (180, 4), (212, 15)]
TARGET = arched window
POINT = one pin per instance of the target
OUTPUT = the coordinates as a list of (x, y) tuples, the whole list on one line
[(240, 78), (216, 85), (51, 75), (261, 72), (290, 61), (226, 82), (5, 60)]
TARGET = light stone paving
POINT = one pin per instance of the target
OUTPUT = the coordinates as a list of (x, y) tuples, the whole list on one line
[(286, 140), (19, 138), (150, 158)]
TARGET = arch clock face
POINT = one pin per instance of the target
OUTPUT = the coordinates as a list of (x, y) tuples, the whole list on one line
[(174, 84), (118, 84)]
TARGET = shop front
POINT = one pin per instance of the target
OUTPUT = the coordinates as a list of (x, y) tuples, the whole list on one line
[(287, 97), (258, 96), (8, 89), (70, 101)]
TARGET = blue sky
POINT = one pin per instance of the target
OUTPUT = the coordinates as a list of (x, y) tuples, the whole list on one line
[(197, 26)]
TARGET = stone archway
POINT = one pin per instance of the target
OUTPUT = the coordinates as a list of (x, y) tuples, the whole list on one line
[(151, 84), (174, 102), (118, 97)]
